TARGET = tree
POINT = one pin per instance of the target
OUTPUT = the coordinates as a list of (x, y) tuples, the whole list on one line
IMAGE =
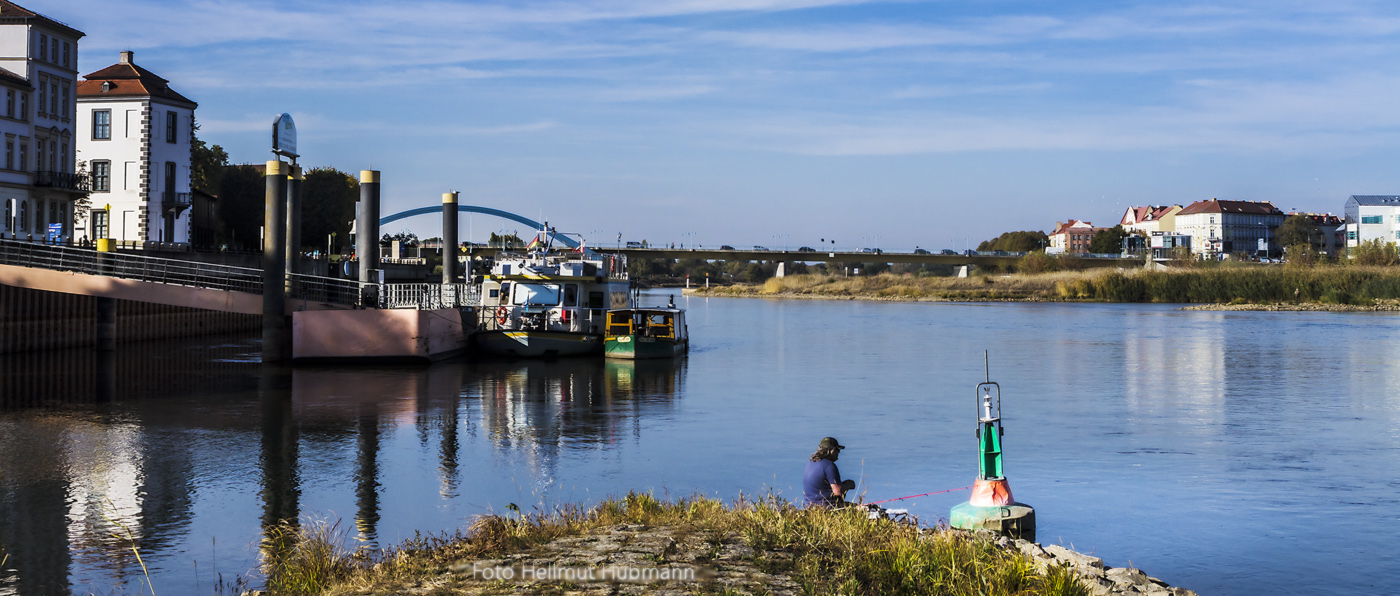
[(1375, 252), (406, 239), (1108, 241), (1023, 241), (1296, 230), (328, 199), (207, 163), (506, 241), (242, 192)]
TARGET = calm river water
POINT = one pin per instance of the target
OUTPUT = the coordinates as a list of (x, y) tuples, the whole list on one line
[(1230, 453)]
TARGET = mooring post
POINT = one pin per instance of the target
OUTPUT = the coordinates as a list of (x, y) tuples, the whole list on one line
[(367, 227), (294, 220), (275, 336), (449, 237)]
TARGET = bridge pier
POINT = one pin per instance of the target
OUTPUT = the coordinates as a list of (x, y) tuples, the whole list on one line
[(276, 339), (963, 270), (449, 237)]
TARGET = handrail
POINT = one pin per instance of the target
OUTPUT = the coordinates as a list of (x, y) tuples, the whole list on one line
[(427, 296)]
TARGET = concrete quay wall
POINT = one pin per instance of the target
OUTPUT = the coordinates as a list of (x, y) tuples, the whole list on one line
[(33, 320)]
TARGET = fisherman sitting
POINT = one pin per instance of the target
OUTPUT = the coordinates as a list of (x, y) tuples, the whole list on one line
[(821, 483)]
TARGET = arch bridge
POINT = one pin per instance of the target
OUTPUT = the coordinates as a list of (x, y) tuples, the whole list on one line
[(534, 225)]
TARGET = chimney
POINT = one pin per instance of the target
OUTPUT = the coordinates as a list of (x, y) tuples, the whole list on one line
[(127, 57)]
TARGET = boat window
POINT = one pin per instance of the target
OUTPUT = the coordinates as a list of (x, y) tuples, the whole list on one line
[(505, 292), (538, 294), (570, 294), (595, 300), (495, 293)]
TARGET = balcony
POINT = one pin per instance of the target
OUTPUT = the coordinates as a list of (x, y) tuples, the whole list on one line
[(62, 180), (175, 202)]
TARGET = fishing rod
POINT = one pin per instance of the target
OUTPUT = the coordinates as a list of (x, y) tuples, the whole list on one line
[(923, 495)]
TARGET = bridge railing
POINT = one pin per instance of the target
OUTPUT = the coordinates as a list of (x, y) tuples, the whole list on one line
[(330, 290), (427, 296)]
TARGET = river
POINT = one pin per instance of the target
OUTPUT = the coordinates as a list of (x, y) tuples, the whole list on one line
[(1225, 452)]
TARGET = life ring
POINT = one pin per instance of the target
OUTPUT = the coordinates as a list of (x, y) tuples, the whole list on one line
[(502, 315)]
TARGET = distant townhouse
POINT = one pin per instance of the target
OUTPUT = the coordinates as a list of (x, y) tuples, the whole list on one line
[(1072, 237), (39, 184), (1371, 217), (134, 132), (1331, 228), (1149, 219), (1224, 227)]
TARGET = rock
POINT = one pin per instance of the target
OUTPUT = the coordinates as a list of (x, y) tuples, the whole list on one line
[(1127, 577), (1086, 565)]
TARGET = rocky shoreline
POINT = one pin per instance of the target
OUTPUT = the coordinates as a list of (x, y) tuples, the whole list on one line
[(679, 562)]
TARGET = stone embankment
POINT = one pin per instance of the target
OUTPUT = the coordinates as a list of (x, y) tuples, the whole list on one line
[(1380, 306), (681, 563)]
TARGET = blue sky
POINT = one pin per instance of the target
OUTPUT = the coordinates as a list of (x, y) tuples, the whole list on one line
[(778, 122)]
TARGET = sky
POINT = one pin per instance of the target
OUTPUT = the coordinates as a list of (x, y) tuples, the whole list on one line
[(888, 124)]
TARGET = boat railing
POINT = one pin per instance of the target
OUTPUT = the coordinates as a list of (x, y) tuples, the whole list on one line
[(571, 319), (427, 296)]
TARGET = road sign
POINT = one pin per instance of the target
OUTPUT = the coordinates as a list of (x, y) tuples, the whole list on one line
[(55, 232)]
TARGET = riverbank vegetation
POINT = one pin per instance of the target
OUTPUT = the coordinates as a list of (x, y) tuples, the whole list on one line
[(1349, 285), (820, 551)]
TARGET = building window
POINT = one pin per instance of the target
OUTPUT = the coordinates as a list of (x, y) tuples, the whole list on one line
[(43, 46), (53, 50), (63, 163), (66, 63), (101, 177), (39, 154), (53, 156), (53, 213), (65, 100), (1351, 235), (99, 223), (43, 94), (53, 99), (10, 103), (23, 106), (171, 121), (23, 157), (23, 216), (1371, 219), (9, 155), (102, 124)]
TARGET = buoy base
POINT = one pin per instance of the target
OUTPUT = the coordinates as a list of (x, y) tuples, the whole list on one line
[(1016, 520)]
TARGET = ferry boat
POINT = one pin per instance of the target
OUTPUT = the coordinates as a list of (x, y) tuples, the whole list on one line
[(544, 305), (642, 333)]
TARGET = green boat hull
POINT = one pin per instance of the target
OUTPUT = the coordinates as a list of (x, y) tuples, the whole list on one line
[(634, 347)]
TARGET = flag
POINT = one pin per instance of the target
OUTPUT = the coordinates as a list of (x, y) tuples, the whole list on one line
[(536, 243)]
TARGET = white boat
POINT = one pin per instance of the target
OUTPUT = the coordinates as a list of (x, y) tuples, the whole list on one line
[(543, 304)]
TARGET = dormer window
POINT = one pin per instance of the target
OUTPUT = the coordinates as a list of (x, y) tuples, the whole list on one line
[(106, 86)]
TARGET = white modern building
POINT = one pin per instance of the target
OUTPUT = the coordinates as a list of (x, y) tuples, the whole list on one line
[(134, 134), (1369, 217), (39, 185)]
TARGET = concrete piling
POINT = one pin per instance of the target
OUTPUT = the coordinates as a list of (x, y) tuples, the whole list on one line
[(276, 332), (449, 237), (106, 308)]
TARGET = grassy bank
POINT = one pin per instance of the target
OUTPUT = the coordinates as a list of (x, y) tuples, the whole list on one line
[(1327, 285), (810, 551)]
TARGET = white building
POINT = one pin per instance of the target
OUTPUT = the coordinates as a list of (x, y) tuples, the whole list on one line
[(1225, 227), (38, 75), (134, 133), (1369, 217), (1072, 237)]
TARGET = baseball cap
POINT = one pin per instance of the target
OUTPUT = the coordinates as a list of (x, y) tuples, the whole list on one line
[(829, 442)]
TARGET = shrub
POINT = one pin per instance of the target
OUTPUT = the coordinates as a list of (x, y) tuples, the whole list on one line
[(1375, 252)]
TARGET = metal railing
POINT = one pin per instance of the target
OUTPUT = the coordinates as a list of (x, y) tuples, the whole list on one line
[(427, 296), (64, 180), (175, 199), (553, 318), (173, 271), (149, 269)]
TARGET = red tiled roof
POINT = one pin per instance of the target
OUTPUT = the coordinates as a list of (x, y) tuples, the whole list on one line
[(128, 80), (9, 11), (1219, 206)]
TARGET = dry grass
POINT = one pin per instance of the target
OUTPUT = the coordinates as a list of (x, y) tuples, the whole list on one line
[(1016, 286), (833, 551)]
